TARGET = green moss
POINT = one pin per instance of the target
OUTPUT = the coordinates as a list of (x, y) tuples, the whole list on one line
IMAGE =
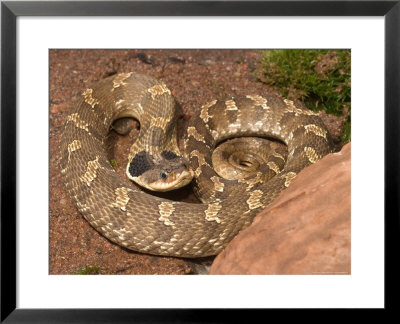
[(88, 270), (346, 133), (319, 78), (114, 163)]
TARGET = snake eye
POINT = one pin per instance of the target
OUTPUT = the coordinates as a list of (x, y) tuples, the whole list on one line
[(163, 175)]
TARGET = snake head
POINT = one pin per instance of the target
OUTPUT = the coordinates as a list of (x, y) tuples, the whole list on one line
[(164, 173), (166, 179)]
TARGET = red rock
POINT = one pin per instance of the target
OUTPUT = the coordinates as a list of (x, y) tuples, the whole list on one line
[(305, 231)]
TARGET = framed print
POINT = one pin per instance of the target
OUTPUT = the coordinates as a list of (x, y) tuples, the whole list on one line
[(80, 242)]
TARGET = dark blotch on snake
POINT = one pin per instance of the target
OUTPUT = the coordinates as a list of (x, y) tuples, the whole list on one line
[(168, 155), (141, 163)]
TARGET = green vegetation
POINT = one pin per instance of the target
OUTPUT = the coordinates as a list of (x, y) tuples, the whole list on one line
[(114, 163), (88, 270), (319, 78)]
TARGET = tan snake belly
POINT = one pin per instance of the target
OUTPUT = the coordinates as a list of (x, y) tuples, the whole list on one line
[(145, 223)]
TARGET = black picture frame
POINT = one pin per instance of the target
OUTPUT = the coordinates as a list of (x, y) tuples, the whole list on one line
[(10, 10)]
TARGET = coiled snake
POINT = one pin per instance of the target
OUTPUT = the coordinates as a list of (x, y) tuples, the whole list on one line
[(139, 221)]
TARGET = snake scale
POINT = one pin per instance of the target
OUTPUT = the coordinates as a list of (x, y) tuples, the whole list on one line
[(142, 222)]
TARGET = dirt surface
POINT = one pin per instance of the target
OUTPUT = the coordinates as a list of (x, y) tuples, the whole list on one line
[(194, 77)]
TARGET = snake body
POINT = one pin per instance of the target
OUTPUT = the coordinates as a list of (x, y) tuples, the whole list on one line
[(142, 222)]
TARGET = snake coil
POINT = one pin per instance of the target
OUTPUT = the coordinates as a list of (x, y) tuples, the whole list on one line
[(145, 223)]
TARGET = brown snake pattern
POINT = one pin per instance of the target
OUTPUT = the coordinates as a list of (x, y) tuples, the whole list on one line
[(145, 223)]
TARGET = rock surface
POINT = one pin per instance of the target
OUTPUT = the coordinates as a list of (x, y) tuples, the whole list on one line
[(305, 231)]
